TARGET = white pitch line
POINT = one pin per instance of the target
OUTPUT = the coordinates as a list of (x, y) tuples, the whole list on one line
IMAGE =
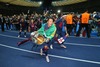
[(69, 36), (60, 57), (76, 44), (16, 31), (88, 45), (11, 36)]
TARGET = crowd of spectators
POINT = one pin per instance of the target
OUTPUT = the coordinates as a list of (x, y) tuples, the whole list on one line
[(34, 21)]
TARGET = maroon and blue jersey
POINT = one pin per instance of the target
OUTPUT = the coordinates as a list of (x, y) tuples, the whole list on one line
[(23, 25), (60, 24)]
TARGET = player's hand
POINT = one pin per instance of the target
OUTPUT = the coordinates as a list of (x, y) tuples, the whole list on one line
[(67, 34), (34, 33), (47, 40)]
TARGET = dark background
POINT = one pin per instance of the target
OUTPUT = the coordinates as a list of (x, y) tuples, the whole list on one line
[(91, 5)]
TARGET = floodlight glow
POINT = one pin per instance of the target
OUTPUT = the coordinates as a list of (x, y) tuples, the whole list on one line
[(40, 2), (59, 11)]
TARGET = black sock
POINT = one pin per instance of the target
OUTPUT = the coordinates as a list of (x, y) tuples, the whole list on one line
[(24, 33), (19, 33)]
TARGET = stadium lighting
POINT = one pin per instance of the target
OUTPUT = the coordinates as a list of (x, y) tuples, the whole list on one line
[(40, 2), (7, 4), (59, 11)]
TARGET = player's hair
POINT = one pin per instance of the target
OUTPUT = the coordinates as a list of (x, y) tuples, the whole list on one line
[(50, 18)]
